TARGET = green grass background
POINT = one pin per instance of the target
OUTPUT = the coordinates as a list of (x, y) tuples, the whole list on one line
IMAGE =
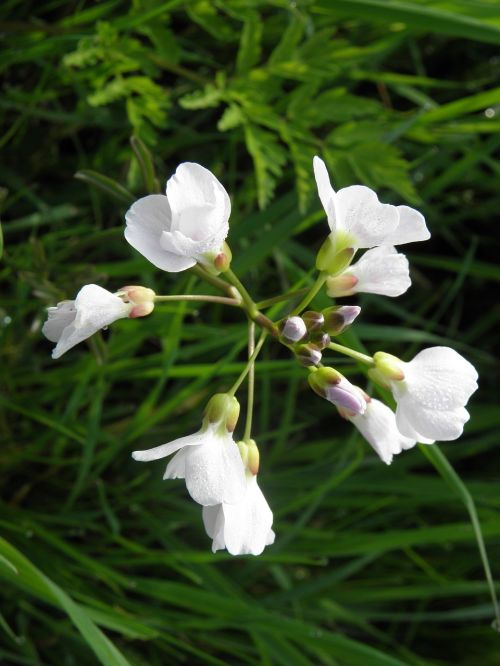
[(100, 561)]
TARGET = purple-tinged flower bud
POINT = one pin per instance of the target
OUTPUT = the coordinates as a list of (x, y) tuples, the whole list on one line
[(334, 387), (313, 320), (320, 339), (308, 355), (293, 329), (338, 318)]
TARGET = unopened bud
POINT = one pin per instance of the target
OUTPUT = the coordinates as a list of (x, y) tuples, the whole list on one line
[(308, 355), (223, 408), (313, 320), (389, 366), (141, 310), (223, 260), (341, 285), (320, 339), (293, 329), (136, 294), (334, 387), (339, 317)]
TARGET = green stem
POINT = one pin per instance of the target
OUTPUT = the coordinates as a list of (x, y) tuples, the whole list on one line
[(199, 297), (251, 381), (441, 463), (266, 303), (364, 358), (320, 281), (249, 305), (249, 364), (215, 281)]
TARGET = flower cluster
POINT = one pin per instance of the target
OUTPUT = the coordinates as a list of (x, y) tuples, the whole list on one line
[(186, 229)]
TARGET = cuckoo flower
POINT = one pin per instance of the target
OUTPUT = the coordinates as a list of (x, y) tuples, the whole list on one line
[(431, 392), (71, 322), (209, 459), (358, 219), (243, 528), (381, 270), (186, 225), (378, 427)]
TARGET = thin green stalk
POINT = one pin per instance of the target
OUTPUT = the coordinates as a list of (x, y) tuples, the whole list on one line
[(250, 306), (266, 303), (215, 281), (199, 297), (441, 463), (249, 364), (359, 356), (320, 281), (251, 381)]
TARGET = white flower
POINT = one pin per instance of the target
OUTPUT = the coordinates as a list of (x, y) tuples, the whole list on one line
[(186, 226), (378, 427), (243, 528), (209, 459), (73, 321), (381, 270), (432, 394), (355, 213)]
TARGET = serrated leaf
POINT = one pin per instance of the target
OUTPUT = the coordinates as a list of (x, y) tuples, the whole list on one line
[(288, 42), (249, 51), (205, 15), (268, 159), (210, 96), (231, 118)]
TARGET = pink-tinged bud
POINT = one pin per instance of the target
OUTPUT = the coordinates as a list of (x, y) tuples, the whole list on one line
[(313, 320), (293, 329), (389, 366), (308, 355), (141, 310), (136, 294), (334, 387), (253, 460), (320, 339), (338, 318), (222, 262), (342, 285)]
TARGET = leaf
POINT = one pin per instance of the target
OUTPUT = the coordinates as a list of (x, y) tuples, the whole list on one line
[(249, 51), (268, 158), (210, 96), (106, 184), (231, 118)]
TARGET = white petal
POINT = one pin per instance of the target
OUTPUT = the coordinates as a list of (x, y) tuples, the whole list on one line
[(381, 270), (325, 190), (439, 378), (57, 319), (95, 308), (164, 450), (247, 525), (408, 430), (200, 205), (209, 515), (411, 227), (430, 423), (378, 427), (176, 468), (361, 215), (214, 471), (146, 220)]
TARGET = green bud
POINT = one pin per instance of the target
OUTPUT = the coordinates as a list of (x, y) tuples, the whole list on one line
[(242, 446), (335, 254), (223, 408), (253, 460), (323, 378), (389, 366), (378, 378)]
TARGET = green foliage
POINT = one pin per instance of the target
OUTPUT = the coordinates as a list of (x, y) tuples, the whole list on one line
[(102, 561)]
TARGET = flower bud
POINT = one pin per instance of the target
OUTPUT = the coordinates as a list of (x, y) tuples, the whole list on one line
[(313, 320), (389, 366), (293, 329), (320, 339), (136, 294), (334, 387), (223, 408), (141, 310), (339, 317), (308, 355), (341, 285), (222, 261), (335, 254)]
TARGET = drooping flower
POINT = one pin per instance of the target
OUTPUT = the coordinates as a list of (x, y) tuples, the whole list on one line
[(331, 385), (209, 460), (378, 427), (431, 392), (187, 225), (358, 219), (71, 322), (243, 528), (381, 270)]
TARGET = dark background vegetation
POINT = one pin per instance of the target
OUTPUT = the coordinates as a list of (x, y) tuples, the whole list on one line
[(101, 561)]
